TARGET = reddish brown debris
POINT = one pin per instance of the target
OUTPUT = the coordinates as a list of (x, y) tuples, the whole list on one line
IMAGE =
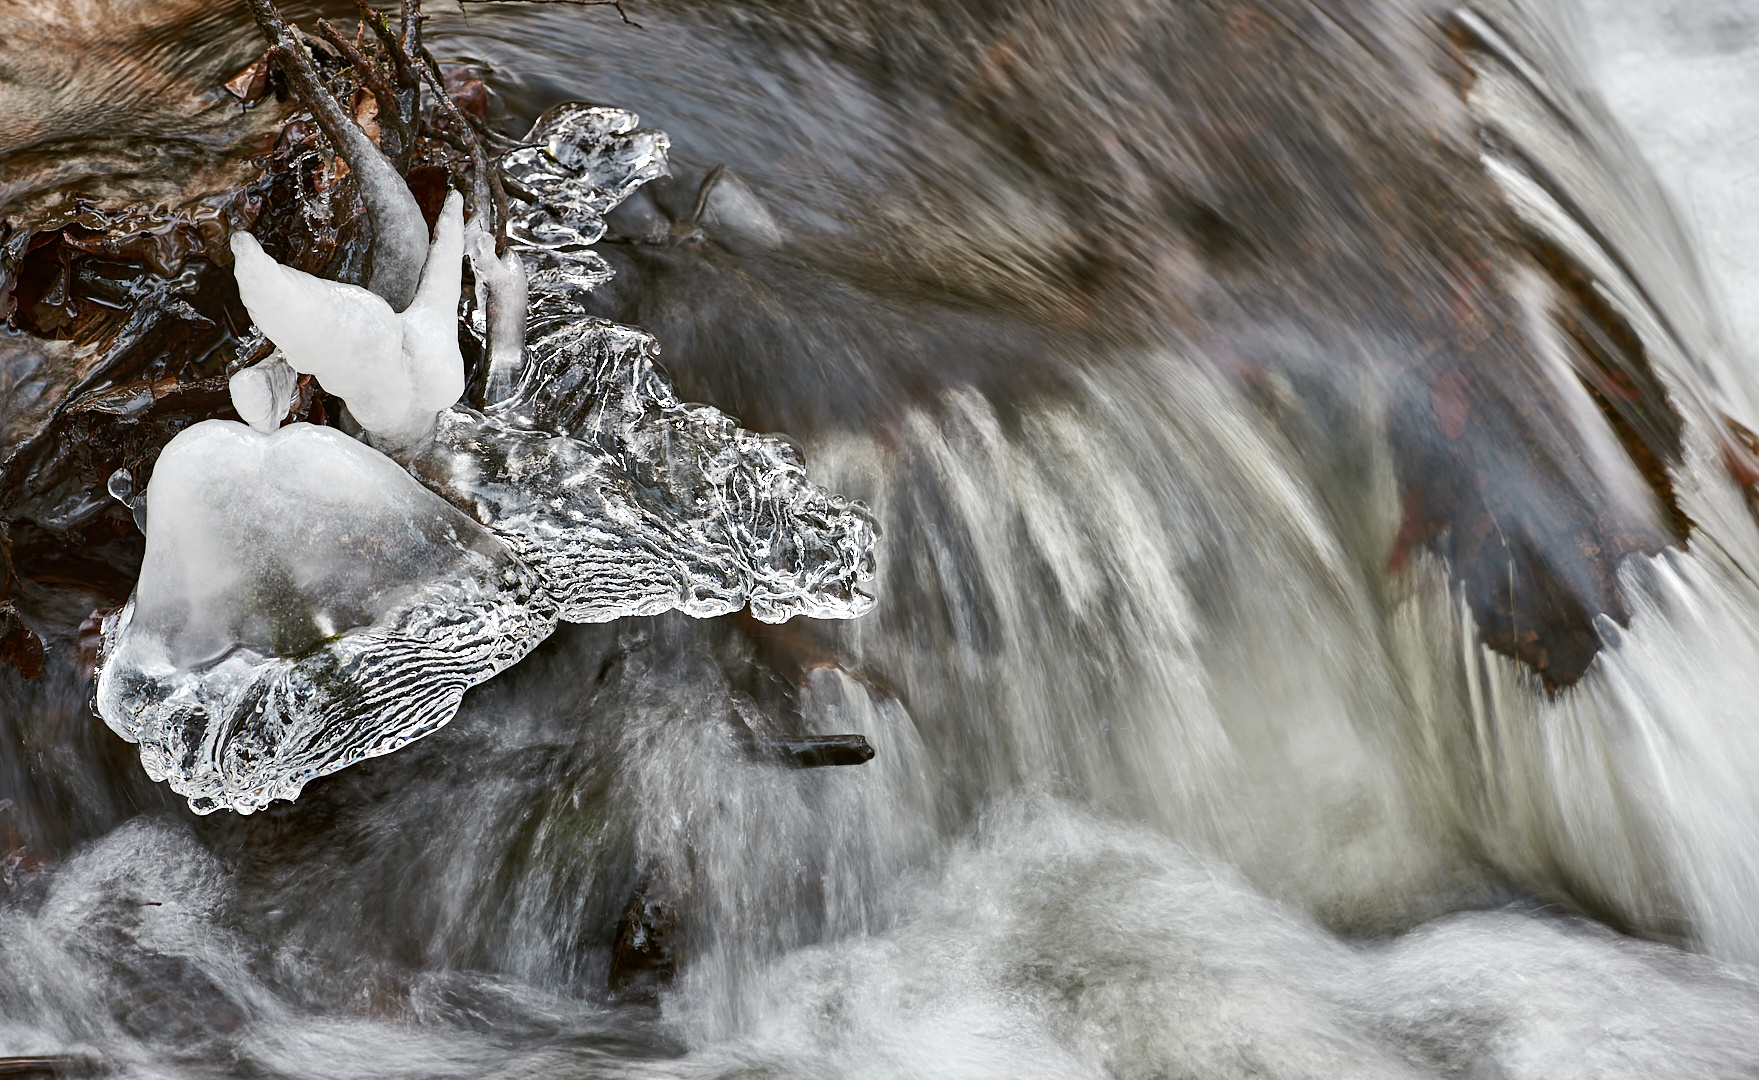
[(468, 93), (89, 642), (1740, 457), (249, 85), (19, 644)]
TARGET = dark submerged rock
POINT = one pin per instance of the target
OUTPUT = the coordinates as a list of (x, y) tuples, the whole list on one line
[(643, 959), (1269, 226), (19, 644)]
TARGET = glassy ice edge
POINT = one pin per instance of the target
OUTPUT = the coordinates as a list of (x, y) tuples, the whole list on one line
[(610, 495), (626, 500)]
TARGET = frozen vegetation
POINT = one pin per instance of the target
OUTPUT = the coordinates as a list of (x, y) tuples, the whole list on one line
[(306, 602)]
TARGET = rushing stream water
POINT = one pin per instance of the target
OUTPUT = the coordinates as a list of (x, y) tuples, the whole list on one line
[(1176, 772)]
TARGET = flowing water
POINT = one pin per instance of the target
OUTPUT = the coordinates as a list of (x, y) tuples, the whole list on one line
[(1175, 773)]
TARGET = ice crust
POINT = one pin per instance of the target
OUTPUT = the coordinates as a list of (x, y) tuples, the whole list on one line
[(306, 602), (577, 164), (627, 501)]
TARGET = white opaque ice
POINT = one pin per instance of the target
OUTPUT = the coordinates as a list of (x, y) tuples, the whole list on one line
[(430, 323), (501, 295), (395, 370), (262, 393), (277, 541)]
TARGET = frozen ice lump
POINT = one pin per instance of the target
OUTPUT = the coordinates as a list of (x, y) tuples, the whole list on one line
[(395, 369), (303, 604)]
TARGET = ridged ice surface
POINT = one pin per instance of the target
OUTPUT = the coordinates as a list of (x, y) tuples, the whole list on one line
[(283, 630), (305, 603), (577, 164), (626, 500)]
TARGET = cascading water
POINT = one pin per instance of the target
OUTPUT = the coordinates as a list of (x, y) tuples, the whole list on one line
[(1198, 751)]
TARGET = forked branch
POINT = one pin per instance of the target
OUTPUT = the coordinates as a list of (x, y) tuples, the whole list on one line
[(400, 233), (618, 4)]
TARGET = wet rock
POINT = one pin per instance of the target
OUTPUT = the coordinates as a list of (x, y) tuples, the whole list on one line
[(811, 751), (19, 644), (168, 1000), (49, 1065), (642, 957)]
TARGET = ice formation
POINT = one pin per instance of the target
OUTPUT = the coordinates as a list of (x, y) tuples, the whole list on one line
[(303, 604), (501, 294), (396, 370), (578, 162), (263, 393), (625, 499), (306, 603), (629, 502)]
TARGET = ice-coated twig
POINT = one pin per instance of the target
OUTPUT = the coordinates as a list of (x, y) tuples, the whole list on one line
[(486, 195), (411, 39), (502, 294), (400, 233), (500, 276)]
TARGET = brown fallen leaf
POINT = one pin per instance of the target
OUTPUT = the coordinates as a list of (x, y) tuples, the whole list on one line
[(249, 85), (19, 644)]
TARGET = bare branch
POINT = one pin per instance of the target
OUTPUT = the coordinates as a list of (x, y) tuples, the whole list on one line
[(411, 37), (618, 4), (399, 246), (284, 42), (486, 194), (373, 76), (409, 99)]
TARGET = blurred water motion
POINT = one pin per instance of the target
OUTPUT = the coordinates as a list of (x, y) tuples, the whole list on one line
[(1316, 631)]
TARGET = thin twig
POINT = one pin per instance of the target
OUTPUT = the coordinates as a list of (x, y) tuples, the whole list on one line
[(486, 193), (702, 192), (411, 38), (618, 4), (397, 251), (409, 101), (285, 42), (373, 76)]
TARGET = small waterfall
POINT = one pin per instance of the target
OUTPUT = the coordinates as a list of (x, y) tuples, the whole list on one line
[(1196, 751)]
